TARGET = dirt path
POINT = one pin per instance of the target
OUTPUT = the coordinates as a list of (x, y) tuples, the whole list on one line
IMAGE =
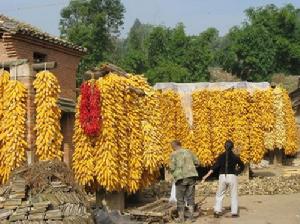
[(258, 209)]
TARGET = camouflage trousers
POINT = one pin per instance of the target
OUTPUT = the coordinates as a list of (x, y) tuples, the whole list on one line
[(185, 192)]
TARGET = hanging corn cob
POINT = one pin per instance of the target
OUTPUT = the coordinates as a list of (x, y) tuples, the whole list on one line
[(278, 137), (261, 119), (12, 153), (292, 141), (83, 158), (183, 132), (118, 154), (48, 130), (201, 124), (149, 113), (168, 112), (4, 79), (151, 127), (106, 147), (135, 144), (239, 127), (219, 125)]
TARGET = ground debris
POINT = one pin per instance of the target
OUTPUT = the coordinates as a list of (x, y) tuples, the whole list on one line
[(44, 192), (258, 186)]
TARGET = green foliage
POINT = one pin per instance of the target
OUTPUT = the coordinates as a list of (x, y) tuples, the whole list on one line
[(135, 61), (159, 51), (167, 71), (267, 43), (158, 45), (133, 58), (172, 47), (92, 24)]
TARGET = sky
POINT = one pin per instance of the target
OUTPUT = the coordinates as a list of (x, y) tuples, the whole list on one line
[(196, 15)]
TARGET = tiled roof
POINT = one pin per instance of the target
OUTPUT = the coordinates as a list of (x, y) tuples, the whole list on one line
[(13, 26)]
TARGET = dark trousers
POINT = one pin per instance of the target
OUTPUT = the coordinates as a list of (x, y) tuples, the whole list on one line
[(185, 190)]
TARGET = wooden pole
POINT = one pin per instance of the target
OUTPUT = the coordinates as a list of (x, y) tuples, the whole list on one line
[(112, 200), (137, 91)]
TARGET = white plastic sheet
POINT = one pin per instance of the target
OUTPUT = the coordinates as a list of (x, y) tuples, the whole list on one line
[(172, 198), (186, 89)]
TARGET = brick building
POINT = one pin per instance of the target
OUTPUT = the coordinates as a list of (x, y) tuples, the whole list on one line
[(22, 41)]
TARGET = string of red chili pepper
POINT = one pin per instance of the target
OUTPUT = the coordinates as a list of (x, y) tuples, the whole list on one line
[(90, 111)]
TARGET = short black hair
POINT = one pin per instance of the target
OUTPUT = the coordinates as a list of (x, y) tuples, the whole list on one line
[(176, 142), (229, 145)]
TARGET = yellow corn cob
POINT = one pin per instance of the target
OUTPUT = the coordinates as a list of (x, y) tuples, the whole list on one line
[(219, 124), (292, 139), (48, 130), (12, 152), (239, 127), (83, 158), (4, 79), (201, 124), (168, 112), (261, 118)]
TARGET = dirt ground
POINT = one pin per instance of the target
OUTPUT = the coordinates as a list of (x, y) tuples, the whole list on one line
[(257, 209)]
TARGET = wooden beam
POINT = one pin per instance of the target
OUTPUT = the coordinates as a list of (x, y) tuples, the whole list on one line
[(96, 75), (104, 70), (137, 91), (5, 64), (44, 65), (113, 68)]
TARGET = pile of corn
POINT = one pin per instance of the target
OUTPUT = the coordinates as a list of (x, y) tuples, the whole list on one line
[(126, 154), (13, 96)]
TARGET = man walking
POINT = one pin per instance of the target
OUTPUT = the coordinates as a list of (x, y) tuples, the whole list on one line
[(226, 165), (184, 172)]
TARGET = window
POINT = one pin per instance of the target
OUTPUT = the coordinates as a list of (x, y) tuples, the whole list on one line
[(39, 57)]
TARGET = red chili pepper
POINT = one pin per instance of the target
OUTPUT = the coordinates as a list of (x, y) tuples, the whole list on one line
[(90, 109)]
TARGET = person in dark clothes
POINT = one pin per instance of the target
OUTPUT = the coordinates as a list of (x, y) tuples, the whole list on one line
[(228, 165)]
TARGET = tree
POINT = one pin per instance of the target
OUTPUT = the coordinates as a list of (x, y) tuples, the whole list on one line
[(138, 35), (254, 54), (92, 24), (283, 23), (177, 44), (134, 58), (199, 55), (167, 71), (135, 61), (158, 45), (172, 47), (268, 42)]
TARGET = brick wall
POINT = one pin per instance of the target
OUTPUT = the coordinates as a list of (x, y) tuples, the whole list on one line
[(66, 63), (18, 47), (3, 55)]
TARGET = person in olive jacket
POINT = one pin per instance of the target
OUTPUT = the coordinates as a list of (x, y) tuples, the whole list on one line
[(183, 169), (228, 165)]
